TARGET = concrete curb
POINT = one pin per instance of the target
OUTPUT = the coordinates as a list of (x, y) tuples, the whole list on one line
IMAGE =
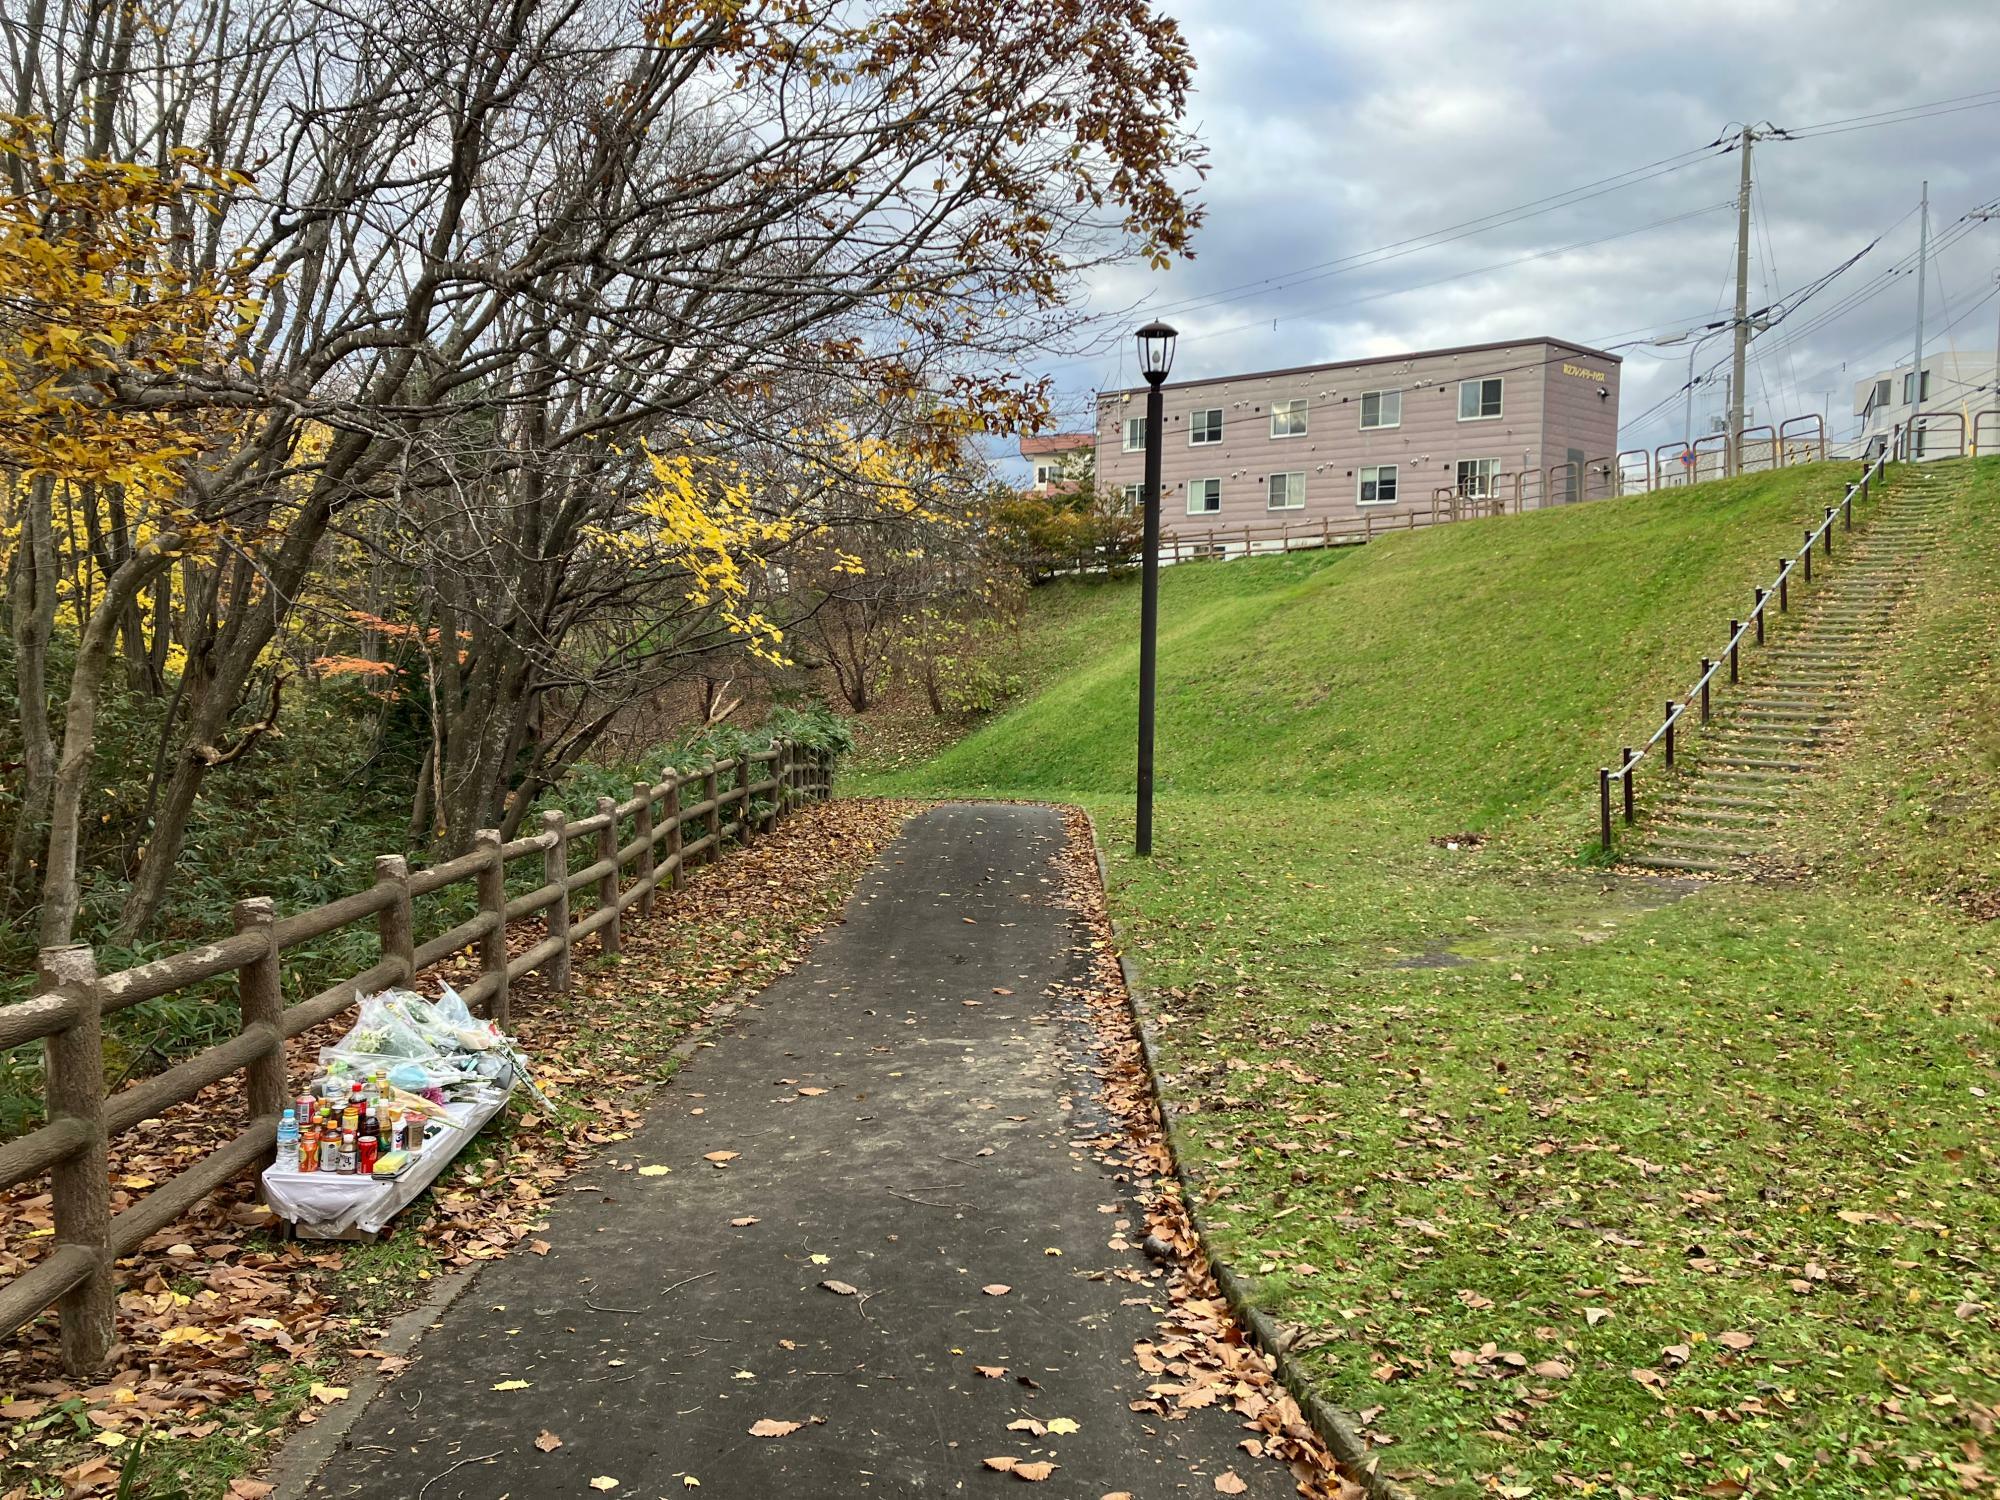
[(1335, 1428)]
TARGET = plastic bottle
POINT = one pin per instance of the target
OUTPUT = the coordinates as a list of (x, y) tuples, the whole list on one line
[(288, 1142)]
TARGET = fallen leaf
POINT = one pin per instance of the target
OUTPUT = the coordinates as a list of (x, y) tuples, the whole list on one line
[(604, 1482), (745, 1222), (326, 1395), (540, 1247), (1735, 1340), (769, 1428), (249, 1489), (812, 1093), (991, 1372), (1034, 1473), (654, 1171), (505, 1385), (547, 1441), (1229, 1483), (1550, 1369), (996, 1289), (1595, 1315), (841, 1288), (720, 1158), (1062, 1424), (1005, 1463)]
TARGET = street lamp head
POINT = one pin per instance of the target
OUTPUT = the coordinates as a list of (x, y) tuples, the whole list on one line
[(1156, 351)]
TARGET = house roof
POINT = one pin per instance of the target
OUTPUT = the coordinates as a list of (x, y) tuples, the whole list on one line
[(1379, 359), (1056, 442)]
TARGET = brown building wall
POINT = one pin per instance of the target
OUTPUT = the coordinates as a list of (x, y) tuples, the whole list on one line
[(1544, 413)]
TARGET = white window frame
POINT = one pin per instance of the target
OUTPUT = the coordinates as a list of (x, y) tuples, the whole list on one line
[(1135, 496), (1492, 473), (1046, 473), (1922, 387), (1361, 483), (1378, 424), (1481, 381), (1133, 424), (1194, 427), (1290, 409), (1295, 491), (1200, 485)]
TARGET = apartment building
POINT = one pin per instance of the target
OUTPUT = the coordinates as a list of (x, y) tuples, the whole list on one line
[(1952, 382), (1371, 435)]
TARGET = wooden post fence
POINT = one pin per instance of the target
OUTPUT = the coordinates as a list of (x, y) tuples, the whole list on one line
[(70, 999)]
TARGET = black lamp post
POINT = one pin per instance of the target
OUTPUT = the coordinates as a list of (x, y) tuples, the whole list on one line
[(1156, 358)]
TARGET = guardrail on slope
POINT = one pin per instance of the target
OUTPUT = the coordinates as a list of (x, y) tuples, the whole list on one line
[(1730, 655)]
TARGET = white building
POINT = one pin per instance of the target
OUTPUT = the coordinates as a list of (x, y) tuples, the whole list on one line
[(1953, 382)]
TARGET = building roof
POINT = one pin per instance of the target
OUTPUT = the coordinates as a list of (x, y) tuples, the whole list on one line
[(1378, 359), (1056, 442)]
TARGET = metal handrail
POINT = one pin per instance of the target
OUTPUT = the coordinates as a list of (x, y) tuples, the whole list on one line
[(1731, 656)]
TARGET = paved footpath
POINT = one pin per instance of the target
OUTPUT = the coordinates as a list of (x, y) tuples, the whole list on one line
[(676, 1310)]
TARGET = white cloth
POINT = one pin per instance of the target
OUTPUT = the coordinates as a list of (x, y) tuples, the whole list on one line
[(326, 1204)]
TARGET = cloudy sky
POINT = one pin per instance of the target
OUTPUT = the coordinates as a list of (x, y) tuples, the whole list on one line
[(1336, 128)]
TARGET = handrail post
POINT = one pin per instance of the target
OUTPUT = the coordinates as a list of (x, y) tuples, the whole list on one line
[(1827, 532), (1671, 715), (644, 832), (1806, 557), (1707, 666), (396, 923), (1604, 808), (743, 824), (492, 885), (711, 793), (1847, 510), (1627, 752), (260, 1001), (1758, 613), (677, 877), (1735, 632), (555, 872), (80, 1184), (1784, 578), (609, 938)]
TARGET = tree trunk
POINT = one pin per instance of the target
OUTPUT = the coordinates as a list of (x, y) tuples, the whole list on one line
[(62, 894), (33, 620)]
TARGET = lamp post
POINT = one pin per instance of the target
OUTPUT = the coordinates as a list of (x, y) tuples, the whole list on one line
[(1156, 358)]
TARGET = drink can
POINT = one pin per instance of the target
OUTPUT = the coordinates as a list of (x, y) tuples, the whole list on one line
[(365, 1150)]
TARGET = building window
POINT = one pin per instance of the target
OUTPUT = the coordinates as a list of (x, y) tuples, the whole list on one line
[(1205, 427), (1135, 495), (1045, 473), (1378, 485), (1135, 434), (1881, 394), (1479, 400), (1381, 408), (1910, 396), (1475, 476), (1288, 419), (1287, 492), (1204, 496)]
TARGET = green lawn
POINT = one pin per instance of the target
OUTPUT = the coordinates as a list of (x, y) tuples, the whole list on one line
[(1577, 1183)]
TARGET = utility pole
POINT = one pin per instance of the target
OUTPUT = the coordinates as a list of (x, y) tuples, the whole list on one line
[(1923, 255), (1988, 216), (1742, 325)]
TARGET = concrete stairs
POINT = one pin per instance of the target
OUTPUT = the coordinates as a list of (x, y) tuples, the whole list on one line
[(1774, 732)]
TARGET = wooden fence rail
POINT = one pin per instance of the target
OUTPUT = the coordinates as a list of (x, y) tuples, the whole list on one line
[(71, 999)]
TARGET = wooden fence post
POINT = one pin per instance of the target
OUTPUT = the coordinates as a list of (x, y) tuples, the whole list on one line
[(644, 831), (610, 939), (743, 791), (555, 872), (396, 924), (781, 799), (673, 814), (80, 1185), (260, 1001), (492, 884), (711, 793)]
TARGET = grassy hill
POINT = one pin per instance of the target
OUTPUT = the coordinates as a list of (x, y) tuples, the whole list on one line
[(1479, 670), (1516, 1139)]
